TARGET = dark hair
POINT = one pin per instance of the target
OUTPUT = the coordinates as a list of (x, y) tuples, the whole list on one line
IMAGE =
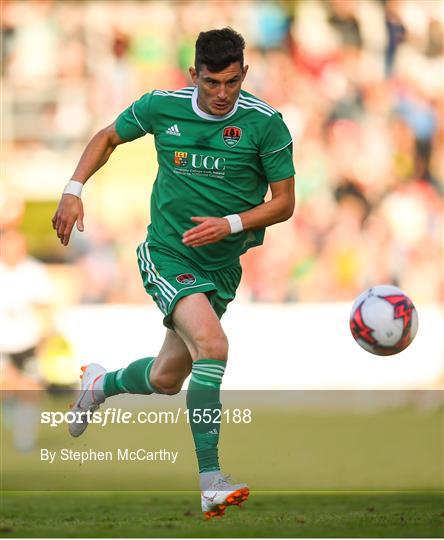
[(217, 49)]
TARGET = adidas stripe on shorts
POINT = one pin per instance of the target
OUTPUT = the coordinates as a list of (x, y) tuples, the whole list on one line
[(168, 277)]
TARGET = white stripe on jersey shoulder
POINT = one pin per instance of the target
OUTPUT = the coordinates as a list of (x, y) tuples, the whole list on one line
[(137, 120), (258, 102), (185, 89), (245, 105), (277, 150), (186, 92)]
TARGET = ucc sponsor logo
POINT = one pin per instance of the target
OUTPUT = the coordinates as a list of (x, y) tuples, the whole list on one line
[(199, 161)]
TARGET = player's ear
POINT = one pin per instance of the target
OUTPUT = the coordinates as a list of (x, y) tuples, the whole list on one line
[(244, 72), (193, 74)]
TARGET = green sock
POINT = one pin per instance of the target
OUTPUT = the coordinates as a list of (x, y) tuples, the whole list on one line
[(134, 379), (204, 393)]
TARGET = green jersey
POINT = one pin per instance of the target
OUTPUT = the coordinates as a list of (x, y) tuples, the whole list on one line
[(208, 166)]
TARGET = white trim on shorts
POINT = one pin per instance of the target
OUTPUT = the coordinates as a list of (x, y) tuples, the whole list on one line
[(168, 292)]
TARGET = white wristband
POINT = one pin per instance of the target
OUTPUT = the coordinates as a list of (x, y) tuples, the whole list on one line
[(73, 187), (235, 223)]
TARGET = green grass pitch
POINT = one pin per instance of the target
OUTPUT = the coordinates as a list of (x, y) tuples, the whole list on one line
[(176, 515)]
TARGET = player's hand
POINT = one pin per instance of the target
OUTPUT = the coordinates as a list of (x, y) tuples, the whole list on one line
[(209, 231), (69, 211)]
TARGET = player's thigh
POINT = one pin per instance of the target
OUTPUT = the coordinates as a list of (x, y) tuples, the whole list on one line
[(168, 277), (174, 359), (198, 325)]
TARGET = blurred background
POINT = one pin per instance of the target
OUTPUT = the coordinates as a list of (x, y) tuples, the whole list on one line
[(360, 85)]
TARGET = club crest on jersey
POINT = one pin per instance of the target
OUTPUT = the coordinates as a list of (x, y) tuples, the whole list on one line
[(231, 135), (181, 159), (186, 279)]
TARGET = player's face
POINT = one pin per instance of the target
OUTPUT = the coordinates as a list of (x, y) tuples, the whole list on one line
[(218, 92)]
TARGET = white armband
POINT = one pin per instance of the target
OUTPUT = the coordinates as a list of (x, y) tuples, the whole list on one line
[(73, 187), (235, 223)]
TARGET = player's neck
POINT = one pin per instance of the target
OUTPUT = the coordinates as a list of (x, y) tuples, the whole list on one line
[(204, 114)]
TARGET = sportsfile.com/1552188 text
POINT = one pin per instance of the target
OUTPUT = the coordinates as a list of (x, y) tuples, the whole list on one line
[(114, 415)]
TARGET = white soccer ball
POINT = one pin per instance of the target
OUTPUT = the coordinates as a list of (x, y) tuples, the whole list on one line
[(383, 320)]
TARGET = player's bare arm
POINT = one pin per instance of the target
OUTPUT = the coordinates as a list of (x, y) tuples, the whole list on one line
[(95, 155), (279, 208)]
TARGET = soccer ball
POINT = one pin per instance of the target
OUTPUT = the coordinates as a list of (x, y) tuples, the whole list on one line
[(383, 320)]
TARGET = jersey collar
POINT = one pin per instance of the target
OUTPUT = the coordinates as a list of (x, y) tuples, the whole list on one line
[(213, 117)]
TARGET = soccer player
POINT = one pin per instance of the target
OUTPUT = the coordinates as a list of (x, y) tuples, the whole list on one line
[(219, 149)]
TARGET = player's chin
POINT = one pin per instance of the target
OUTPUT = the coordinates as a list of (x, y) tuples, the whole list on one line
[(220, 110)]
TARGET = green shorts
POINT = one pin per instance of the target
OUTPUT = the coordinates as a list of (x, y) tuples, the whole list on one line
[(168, 277)]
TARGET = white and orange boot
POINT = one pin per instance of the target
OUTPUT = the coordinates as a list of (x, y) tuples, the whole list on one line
[(87, 400), (221, 494)]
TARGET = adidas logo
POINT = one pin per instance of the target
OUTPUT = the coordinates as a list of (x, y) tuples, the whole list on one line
[(173, 130)]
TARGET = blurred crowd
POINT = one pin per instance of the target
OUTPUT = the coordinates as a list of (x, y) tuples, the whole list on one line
[(359, 83)]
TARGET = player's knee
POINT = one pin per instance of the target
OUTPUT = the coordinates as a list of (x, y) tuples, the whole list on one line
[(166, 384), (215, 347), (172, 390)]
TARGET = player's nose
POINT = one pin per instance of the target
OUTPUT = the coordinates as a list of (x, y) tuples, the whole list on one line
[(222, 94)]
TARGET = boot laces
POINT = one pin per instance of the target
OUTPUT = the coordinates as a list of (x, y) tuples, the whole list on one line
[(222, 481)]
